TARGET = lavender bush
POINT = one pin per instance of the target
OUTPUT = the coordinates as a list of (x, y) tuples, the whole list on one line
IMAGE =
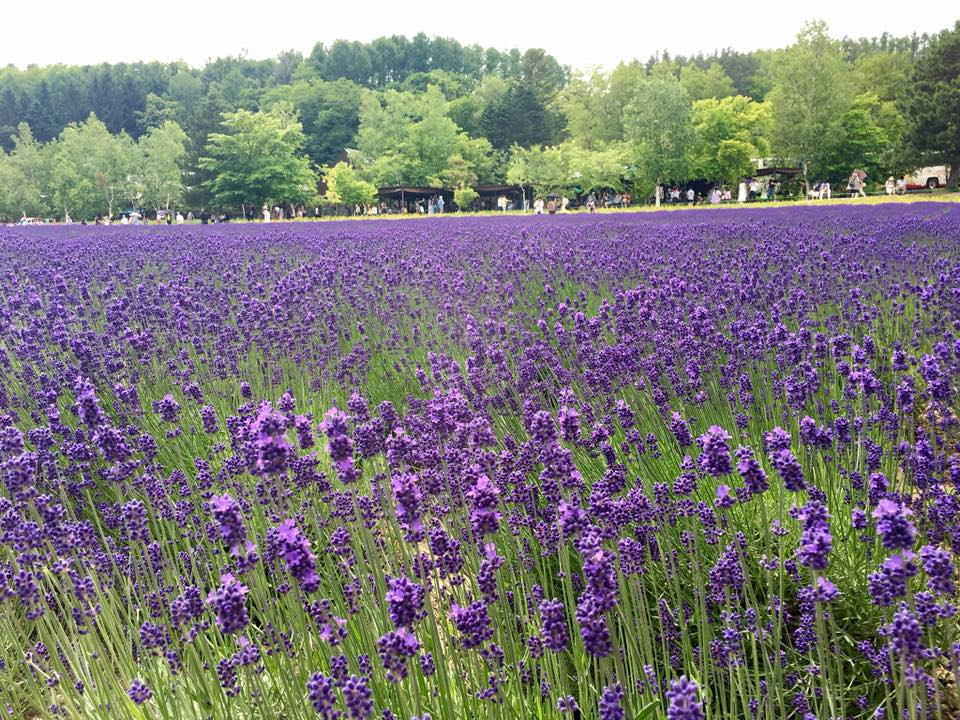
[(699, 465)]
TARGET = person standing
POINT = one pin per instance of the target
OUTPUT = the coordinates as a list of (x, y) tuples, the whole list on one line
[(742, 192), (440, 205), (891, 185), (266, 213)]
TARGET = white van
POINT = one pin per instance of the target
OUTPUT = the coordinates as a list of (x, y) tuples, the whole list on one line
[(928, 177)]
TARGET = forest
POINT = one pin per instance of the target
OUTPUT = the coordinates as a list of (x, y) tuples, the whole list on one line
[(429, 111)]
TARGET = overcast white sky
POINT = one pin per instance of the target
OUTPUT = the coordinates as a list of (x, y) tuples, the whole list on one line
[(579, 34)]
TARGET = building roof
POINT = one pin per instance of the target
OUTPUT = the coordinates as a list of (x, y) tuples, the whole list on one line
[(778, 171), (412, 189)]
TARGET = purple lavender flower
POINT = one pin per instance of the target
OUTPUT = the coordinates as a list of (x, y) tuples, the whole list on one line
[(168, 408), (339, 445), (320, 693), (395, 649), (894, 526), (208, 418), (405, 601), (553, 625), (139, 692), (229, 603), (938, 565), (611, 703), (684, 702), (715, 459), (407, 498), (754, 477), (229, 520), (357, 697), (271, 449), (296, 551), (473, 622), (787, 465), (680, 430)]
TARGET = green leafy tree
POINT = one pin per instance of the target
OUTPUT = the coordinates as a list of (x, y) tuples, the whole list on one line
[(520, 117), (546, 169), (710, 83), (346, 187), (867, 136), (467, 111), (885, 74), (932, 104), (464, 197), (329, 111), (541, 75), (728, 135), (256, 159), (407, 139), (89, 168), (163, 151), (24, 177), (625, 80), (658, 125), (596, 170), (584, 103), (813, 88)]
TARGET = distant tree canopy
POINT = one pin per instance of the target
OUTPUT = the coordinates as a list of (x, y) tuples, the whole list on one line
[(423, 110), (255, 159), (932, 102)]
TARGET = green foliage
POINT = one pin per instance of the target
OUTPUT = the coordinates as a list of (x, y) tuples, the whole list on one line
[(255, 159), (865, 137), (431, 99), (464, 197), (658, 125), (586, 105), (813, 88), (886, 75), (932, 104), (163, 152), (596, 170), (346, 187), (520, 117), (23, 177), (729, 133), (89, 168), (546, 169), (710, 83), (409, 139), (330, 112)]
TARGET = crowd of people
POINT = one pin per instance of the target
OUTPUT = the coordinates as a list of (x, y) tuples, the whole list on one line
[(748, 189)]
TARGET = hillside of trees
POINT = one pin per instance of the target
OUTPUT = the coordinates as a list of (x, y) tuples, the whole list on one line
[(427, 111)]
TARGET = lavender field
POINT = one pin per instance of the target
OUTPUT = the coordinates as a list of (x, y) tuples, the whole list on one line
[(686, 465)]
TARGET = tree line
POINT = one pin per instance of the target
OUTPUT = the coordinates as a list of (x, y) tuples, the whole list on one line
[(430, 111)]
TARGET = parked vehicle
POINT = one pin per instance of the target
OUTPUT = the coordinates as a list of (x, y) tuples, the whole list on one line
[(929, 177)]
